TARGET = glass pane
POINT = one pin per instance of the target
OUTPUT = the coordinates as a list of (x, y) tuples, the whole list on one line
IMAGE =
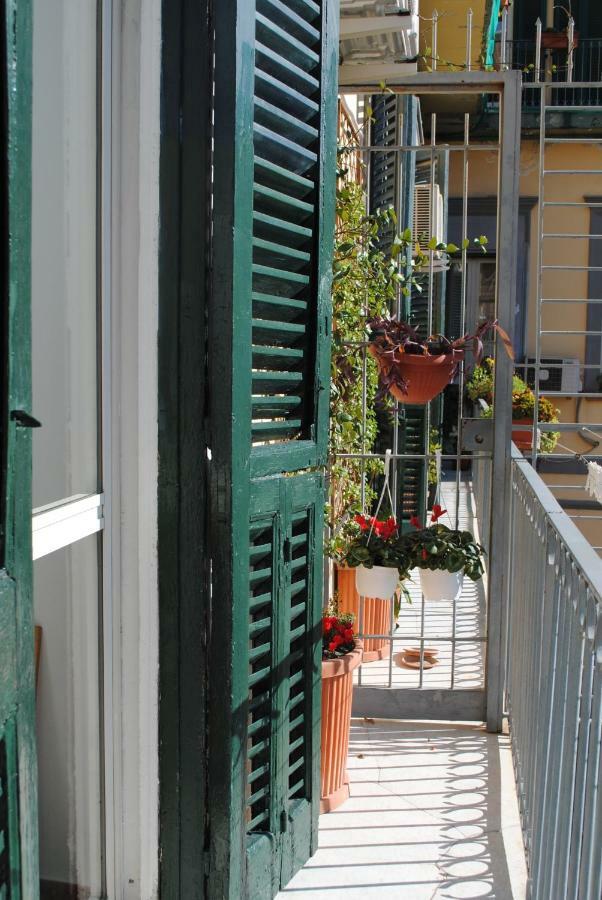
[(68, 721), (64, 249)]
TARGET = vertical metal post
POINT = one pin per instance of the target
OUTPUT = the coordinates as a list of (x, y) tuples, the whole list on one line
[(539, 280), (510, 109), (504, 37), (463, 296), (468, 40), (434, 39), (570, 32), (537, 50)]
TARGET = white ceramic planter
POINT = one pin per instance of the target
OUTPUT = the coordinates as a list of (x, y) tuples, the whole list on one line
[(379, 581), (438, 584)]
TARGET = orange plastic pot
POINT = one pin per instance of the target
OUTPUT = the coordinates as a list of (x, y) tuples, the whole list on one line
[(523, 439), (376, 615), (337, 693), (426, 376)]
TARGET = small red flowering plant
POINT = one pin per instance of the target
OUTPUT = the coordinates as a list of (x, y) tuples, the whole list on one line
[(438, 547), (338, 637), (367, 541)]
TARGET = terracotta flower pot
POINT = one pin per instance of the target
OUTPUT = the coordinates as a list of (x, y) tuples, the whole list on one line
[(523, 439), (426, 376), (376, 615), (337, 692), (558, 40)]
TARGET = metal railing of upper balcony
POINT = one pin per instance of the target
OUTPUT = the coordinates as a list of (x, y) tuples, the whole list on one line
[(553, 69), (553, 687), (552, 58)]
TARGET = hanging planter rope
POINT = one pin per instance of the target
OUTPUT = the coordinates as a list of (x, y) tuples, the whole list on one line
[(378, 581)]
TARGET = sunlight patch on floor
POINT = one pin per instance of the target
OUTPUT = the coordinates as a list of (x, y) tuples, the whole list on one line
[(432, 815)]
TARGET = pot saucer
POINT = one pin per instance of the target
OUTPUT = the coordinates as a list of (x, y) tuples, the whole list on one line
[(405, 662)]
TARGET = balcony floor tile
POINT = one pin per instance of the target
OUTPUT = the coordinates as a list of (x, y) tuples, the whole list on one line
[(432, 816)]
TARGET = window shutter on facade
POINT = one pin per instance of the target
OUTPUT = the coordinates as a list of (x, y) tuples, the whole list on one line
[(268, 357)]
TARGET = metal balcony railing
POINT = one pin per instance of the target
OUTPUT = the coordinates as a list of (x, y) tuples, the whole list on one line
[(554, 67), (553, 686)]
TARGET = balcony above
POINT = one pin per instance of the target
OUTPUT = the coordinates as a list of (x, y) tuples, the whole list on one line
[(378, 40)]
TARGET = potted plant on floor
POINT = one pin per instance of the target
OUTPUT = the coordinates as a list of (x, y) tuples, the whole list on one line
[(374, 615), (443, 555), (341, 655), (414, 369)]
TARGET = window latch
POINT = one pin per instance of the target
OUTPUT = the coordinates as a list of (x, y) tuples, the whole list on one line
[(23, 419)]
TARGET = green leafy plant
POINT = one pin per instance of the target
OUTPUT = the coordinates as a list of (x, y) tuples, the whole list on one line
[(480, 387), (439, 547), (367, 282), (434, 445), (363, 284)]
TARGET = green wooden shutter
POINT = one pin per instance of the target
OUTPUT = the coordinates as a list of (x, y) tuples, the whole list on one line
[(282, 781), (294, 163), (18, 805), (269, 326)]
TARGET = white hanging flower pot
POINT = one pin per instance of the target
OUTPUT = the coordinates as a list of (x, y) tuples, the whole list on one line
[(379, 581), (439, 584)]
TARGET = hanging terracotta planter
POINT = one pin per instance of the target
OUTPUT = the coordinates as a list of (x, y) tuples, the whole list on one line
[(378, 582), (414, 369), (337, 693), (376, 614), (426, 376), (439, 584)]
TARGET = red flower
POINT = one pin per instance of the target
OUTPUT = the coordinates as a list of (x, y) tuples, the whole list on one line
[(437, 512), (348, 634), (361, 521), (328, 624), (415, 521), (332, 646), (424, 554), (385, 529)]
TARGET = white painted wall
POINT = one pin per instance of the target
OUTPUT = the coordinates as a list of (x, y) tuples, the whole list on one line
[(65, 457)]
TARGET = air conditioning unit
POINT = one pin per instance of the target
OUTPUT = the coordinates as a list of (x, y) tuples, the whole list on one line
[(555, 374), (423, 228)]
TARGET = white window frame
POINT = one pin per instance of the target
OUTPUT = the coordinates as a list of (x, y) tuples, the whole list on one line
[(58, 525), (125, 513)]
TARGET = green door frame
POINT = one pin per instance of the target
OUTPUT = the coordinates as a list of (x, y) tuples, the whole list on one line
[(18, 785), (183, 577)]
